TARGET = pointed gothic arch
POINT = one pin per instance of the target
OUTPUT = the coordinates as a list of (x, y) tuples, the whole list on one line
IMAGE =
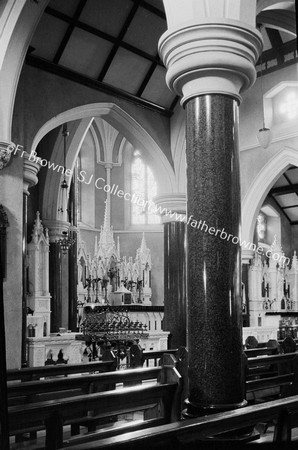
[(260, 187), (116, 117)]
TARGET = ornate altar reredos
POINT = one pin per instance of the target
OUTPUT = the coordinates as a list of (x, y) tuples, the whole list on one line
[(273, 289), (108, 278)]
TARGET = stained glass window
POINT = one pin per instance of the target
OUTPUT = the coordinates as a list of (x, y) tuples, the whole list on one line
[(143, 189)]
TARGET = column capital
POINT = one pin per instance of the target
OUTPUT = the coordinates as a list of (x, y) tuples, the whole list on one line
[(55, 228), (246, 256), (170, 203), (217, 56), (6, 149), (31, 170)]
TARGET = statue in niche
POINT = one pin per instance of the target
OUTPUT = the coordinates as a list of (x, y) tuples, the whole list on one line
[(280, 286), (130, 269), (243, 298), (135, 273), (285, 288), (265, 288), (123, 270)]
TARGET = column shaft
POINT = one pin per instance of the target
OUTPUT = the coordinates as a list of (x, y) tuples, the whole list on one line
[(72, 261), (4, 424), (175, 283), (24, 282), (55, 286), (214, 304), (245, 298)]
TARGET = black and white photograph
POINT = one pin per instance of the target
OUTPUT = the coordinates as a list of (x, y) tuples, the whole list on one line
[(148, 224)]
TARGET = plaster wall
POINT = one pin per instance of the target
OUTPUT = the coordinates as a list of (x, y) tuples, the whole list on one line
[(252, 157)]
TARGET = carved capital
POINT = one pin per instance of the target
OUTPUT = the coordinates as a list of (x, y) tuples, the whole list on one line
[(171, 203), (31, 170), (214, 57), (56, 228), (6, 149), (246, 256)]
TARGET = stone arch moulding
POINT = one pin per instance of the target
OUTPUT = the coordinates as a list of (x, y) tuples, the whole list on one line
[(53, 180), (126, 125), (260, 187)]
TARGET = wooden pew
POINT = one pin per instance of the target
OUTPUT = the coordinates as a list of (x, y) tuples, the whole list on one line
[(261, 351), (153, 357), (52, 388), (194, 431), (275, 375), (53, 414), (35, 373)]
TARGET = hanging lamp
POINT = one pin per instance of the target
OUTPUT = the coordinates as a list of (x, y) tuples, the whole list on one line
[(264, 133)]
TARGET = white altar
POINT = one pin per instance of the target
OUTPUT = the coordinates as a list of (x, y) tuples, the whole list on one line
[(272, 288), (262, 334), (105, 279), (41, 349)]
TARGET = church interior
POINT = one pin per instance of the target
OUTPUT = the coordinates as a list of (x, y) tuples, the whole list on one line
[(148, 211)]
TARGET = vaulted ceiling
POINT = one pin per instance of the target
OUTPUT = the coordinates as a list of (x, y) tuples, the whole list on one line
[(111, 45)]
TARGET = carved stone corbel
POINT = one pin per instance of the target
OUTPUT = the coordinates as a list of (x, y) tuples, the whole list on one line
[(6, 149)]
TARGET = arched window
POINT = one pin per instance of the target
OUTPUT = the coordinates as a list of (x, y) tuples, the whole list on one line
[(143, 190)]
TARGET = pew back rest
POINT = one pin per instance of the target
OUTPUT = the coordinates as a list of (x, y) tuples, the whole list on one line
[(52, 414), (193, 430), (39, 390), (35, 373), (275, 371)]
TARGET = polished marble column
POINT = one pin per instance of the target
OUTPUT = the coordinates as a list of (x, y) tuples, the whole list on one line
[(175, 283), (72, 260), (210, 55), (55, 285), (174, 319), (214, 282), (56, 229)]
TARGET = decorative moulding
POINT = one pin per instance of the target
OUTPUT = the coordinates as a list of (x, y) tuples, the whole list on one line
[(6, 149), (211, 58)]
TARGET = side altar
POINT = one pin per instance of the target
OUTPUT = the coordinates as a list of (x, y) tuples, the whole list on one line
[(272, 295), (102, 328), (114, 306)]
